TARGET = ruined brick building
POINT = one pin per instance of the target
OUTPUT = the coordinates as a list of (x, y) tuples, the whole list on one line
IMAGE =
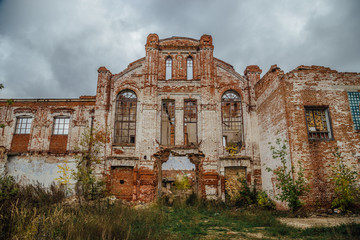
[(180, 110)]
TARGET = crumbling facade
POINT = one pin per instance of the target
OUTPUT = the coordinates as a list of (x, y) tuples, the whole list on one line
[(181, 111)]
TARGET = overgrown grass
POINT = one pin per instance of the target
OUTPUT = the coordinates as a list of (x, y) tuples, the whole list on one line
[(36, 213)]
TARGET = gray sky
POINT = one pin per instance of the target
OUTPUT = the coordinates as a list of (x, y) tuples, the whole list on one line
[(52, 49)]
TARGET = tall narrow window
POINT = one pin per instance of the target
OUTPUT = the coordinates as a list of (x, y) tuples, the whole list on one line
[(23, 125), (231, 119), (318, 123), (168, 68), (190, 122), (61, 126), (168, 122), (125, 117), (354, 101), (189, 73)]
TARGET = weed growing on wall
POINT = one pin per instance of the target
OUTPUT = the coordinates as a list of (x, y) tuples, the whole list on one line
[(232, 148), (344, 180), (91, 143), (290, 189)]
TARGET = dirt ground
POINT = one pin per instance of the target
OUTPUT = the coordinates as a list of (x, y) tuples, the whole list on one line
[(318, 221)]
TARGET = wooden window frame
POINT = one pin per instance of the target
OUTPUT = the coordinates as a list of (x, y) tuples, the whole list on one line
[(316, 134)]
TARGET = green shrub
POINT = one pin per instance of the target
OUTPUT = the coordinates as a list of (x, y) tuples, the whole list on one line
[(238, 192), (247, 195), (8, 188), (264, 202), (344, 180), (290, 189), (182, 182)]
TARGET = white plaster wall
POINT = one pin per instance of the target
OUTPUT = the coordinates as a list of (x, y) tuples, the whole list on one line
[(32, 169)]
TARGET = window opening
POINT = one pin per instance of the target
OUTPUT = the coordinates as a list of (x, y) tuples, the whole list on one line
[(189, 73), (224, 141), (61, 125), (168, 122), (231, 119), (354, 101), (168, 69), (190, 122), (23, 125), (125, 118), (318, 123)]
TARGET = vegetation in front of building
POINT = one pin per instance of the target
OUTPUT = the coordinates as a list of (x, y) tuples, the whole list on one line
[(91, 143), (182, 182), (33, 212), (290, 190), (344, 179)]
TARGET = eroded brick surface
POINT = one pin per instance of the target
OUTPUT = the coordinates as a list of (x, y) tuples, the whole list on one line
[(282, 99)]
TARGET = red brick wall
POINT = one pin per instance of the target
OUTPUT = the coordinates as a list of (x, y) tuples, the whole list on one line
[(58, 143), (319, 86), (20, 142), (122, 182)]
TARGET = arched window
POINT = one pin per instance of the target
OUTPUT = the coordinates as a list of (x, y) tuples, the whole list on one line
[(125, 117), (189, 65), (231, 119), (168, 68)]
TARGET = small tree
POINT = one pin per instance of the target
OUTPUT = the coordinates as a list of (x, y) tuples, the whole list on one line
[(182, 182), (90, 146), (290, 189), (65, 176), (344, 180)]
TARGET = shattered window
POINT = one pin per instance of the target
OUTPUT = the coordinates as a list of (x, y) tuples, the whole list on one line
[(231, 119), (125, 117), (189, 73), (168, 68), (354, 101), (23, 125), (318, 123), (168, 122), (61, 125), (190, 122)]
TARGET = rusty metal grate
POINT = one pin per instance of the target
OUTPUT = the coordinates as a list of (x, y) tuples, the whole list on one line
[(318, 123)]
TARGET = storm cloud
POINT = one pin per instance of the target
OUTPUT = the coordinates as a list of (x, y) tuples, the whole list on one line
[(52, 49)]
